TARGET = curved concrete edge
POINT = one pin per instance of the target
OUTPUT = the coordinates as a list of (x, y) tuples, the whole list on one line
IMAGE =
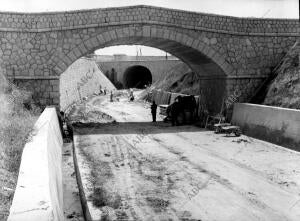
[(85, 209), (82, 169), (39, 191), (273, 124)]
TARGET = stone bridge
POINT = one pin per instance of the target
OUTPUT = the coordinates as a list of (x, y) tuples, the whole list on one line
[(132, 71), (229, 53)]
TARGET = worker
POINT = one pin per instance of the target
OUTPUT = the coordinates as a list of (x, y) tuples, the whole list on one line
[(61, 119), (153, 111), (111, 96), (131, 97), (100, 90), (192, 107), (175, 109)]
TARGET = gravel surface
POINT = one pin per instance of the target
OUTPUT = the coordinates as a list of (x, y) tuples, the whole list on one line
[(138, 170)]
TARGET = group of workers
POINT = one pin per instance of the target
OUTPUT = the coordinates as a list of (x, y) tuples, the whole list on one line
[(102, 91), (179, 106), (130, 94), (173, 111)]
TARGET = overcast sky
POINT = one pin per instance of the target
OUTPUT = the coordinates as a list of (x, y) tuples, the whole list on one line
[(240, 8)]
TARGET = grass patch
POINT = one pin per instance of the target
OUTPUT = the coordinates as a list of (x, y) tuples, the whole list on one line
[(16, 124)]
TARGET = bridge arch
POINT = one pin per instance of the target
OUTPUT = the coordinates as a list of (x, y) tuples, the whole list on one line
[(190, 49), (228, 52), (198, 55)]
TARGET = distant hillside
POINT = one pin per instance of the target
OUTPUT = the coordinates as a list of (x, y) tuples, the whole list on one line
[(284, 91), (179, 79)]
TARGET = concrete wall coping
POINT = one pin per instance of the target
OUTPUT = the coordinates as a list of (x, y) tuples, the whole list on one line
[(34, 77), (38, 194), (131, 61), (269, 107)]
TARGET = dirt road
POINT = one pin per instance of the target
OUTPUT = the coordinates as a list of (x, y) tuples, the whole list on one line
[(138, 170)]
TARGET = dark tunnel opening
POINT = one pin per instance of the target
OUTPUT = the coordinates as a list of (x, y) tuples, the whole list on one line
[(137, 77)]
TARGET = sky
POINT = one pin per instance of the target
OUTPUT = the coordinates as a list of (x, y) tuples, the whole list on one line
[(239, 8)]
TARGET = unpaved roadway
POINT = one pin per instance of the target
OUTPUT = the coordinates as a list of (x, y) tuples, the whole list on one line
[(138, 170)]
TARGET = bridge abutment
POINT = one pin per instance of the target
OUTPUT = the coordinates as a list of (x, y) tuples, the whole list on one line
[(36, 48), (44, 91)]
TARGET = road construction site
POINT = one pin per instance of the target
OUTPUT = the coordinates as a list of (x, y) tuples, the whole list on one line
[(131, 168)]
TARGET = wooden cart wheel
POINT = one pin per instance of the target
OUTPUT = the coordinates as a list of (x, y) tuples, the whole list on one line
[(217, 130), (237, 133)]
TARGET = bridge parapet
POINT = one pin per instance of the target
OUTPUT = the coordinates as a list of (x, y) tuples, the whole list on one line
[(50, 21)]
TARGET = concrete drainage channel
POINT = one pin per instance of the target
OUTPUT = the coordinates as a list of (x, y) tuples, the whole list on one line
[(72, 200), (88, 124), (84, 204)]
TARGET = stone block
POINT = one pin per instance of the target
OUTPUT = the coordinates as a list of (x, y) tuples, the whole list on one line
[(54, 94), (55, 88), (54, 82)]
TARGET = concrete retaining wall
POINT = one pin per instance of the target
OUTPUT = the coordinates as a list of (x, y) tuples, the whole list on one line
[(39, 191), (83, 78), (274, 124)]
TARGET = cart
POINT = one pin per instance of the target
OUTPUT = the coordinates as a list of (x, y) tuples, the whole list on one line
[(211, 121), (231, 129), (218, 127)]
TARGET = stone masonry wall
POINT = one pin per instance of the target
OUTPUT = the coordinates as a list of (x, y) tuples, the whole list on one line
[(41, 46), (217, 90), (44, 91), (157, 68)]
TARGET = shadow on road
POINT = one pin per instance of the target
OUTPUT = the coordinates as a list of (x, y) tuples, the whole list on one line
[(133, 128)]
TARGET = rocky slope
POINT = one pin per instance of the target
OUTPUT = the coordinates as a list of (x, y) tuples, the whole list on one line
[(284, 91), (179, 79)]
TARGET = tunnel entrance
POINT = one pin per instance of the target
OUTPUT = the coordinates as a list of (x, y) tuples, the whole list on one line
[(137, 77)]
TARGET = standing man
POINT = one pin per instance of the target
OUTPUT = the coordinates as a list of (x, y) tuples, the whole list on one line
[(175, 110), (131, 97), (153, 111), (100, 88), (111, 96)]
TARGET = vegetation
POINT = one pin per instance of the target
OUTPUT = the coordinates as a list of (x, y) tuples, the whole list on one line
[(16, 123)]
